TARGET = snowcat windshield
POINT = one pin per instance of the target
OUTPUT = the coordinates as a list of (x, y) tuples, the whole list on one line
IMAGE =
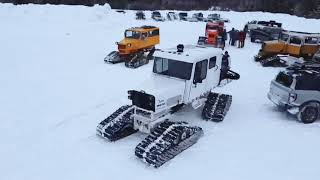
[(212, 27), (172, 68), (132, 34)]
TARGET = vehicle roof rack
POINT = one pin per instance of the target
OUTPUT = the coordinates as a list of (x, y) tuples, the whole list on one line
[(148, 27)]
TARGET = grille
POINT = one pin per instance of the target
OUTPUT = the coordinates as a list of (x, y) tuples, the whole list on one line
[(121, 46), (143, 113)]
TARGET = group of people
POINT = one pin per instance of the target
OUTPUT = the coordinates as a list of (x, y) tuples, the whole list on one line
[(237, 37)]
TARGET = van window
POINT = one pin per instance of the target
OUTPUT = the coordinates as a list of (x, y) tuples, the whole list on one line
[(295, 40), (311, 40), (154, 33), (212, 62)]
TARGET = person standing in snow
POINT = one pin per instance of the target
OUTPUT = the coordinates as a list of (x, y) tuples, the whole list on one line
[(231, 35), (225, 65), (241, 39), (245, 29), (236, 38), (224, 38)]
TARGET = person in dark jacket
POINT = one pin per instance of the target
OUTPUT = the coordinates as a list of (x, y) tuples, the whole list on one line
[(231, 35), (224, 38), (245, 29), (225, 66), (236, 38)]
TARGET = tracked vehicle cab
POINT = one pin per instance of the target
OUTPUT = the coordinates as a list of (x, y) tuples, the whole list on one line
[(138, 38), (297, 44), (181, 76), (137, 47)]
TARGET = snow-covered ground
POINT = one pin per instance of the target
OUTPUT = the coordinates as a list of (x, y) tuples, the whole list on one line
[(55, 88)]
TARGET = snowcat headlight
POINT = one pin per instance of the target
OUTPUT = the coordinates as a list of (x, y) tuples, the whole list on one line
[(129, 45)]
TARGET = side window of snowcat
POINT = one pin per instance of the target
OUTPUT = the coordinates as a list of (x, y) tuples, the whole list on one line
[(144, 36), (311, 40), (200, 71), (295, 40), (212, 62), (154, 33)]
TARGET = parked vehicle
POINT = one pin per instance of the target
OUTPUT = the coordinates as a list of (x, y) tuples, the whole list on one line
[(183, 77), (156, 15), (198, 16), (133, 48), (265, 34), (171, 16), (291, 43), (183, 16), (213, 35), (140, 15), (260, 24), (216, 17), (297, 90)]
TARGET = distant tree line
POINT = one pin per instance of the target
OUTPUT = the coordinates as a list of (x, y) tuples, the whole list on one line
[(307, 8)]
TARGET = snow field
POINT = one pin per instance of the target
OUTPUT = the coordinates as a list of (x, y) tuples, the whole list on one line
[(55, 89)]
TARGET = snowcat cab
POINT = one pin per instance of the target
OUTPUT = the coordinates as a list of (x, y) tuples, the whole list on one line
[(297, 44), (213, 35), (181, 77), (137, 41)]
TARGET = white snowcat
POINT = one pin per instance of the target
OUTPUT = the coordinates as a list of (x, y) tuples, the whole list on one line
[(180, 77)]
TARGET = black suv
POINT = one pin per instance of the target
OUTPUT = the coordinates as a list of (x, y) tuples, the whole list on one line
[(265, 34)]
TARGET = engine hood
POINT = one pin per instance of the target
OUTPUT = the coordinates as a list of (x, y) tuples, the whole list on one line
[(128, 41), (167, 91)]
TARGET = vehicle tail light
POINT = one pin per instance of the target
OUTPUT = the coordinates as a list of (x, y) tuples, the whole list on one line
[(292, 97)]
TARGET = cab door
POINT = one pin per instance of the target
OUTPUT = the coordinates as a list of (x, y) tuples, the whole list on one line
[(294, 46), (198, 86), (213, 75)]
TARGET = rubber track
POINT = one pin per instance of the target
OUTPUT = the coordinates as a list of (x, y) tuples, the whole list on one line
[(118, 125), (166, 141), (216, 107)]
